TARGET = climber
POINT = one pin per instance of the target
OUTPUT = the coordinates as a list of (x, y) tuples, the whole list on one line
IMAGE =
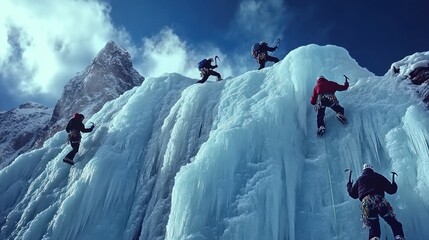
[(324, 96), (370, 188), (205, 66), (74, 127), (260, 53)]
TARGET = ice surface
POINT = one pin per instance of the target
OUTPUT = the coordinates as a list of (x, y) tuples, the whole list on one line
[(237, 159)]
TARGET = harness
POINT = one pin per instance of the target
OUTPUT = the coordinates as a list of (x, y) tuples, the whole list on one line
[(261, 56), (74, 136), (204, 71), (326, 100), (371, 206)]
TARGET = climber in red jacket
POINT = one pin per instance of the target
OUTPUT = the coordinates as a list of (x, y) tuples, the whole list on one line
[(324, 96)]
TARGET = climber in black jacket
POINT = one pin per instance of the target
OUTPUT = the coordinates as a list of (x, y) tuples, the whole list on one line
[(74, 128), (370, 188)]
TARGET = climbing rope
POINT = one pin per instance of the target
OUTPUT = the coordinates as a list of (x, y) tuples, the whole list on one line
[(332, 192)]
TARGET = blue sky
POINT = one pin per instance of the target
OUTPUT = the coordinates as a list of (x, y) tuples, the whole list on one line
[(45, 44)]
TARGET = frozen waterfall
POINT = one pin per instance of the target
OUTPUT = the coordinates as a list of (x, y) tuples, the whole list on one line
[(237, 159)]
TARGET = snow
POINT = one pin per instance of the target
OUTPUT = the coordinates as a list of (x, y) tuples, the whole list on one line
[(237, 159), (31, 112)]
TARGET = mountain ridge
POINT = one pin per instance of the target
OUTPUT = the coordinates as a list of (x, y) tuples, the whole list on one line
[(109, 75)]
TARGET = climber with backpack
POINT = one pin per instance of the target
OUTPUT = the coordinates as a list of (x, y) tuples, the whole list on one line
[(206, 69), (370, 188), (74, 128), (260, 53), (324, 96)]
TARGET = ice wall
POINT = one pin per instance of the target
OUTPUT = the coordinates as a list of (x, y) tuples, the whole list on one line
[(237, 159)]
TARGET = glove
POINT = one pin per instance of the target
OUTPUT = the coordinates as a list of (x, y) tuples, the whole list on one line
[(316, 107), (349, 185), (275, 48), (215, 66)]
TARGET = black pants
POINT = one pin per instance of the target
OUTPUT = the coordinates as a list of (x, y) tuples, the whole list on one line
[(267, 59), (394, 224), (321, 114), (73, 152), (208, 74), (373, 206)]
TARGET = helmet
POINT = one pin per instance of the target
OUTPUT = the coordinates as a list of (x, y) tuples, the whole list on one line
[(321, 76), (210, 59), (367, 165), (79, 116)]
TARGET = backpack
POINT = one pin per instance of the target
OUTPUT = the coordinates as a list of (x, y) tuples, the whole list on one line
[(202, 63), (255, 49)]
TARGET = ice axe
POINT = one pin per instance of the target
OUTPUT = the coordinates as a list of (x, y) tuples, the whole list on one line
[(278, 42), (216, 57), (350, 174), (393, 176), (347, 78)]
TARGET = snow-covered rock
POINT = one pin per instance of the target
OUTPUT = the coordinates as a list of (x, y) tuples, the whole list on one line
[(415, 68), (19, 129)]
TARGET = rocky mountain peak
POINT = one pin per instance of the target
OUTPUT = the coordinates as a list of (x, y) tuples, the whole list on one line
[(112, 53), (109, 75)]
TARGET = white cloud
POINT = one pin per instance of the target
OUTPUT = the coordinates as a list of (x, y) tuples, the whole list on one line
[(264, 19), (44, 43), (167, 53)]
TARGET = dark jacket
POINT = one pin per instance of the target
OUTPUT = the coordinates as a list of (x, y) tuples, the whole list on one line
[(208, 65), (264, 48), (370, 183), (324, 86), (76, 124)]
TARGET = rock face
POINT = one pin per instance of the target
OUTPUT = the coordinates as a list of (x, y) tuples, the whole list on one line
[(415, 68), (20, 128), (419, 75), (108, 76)]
